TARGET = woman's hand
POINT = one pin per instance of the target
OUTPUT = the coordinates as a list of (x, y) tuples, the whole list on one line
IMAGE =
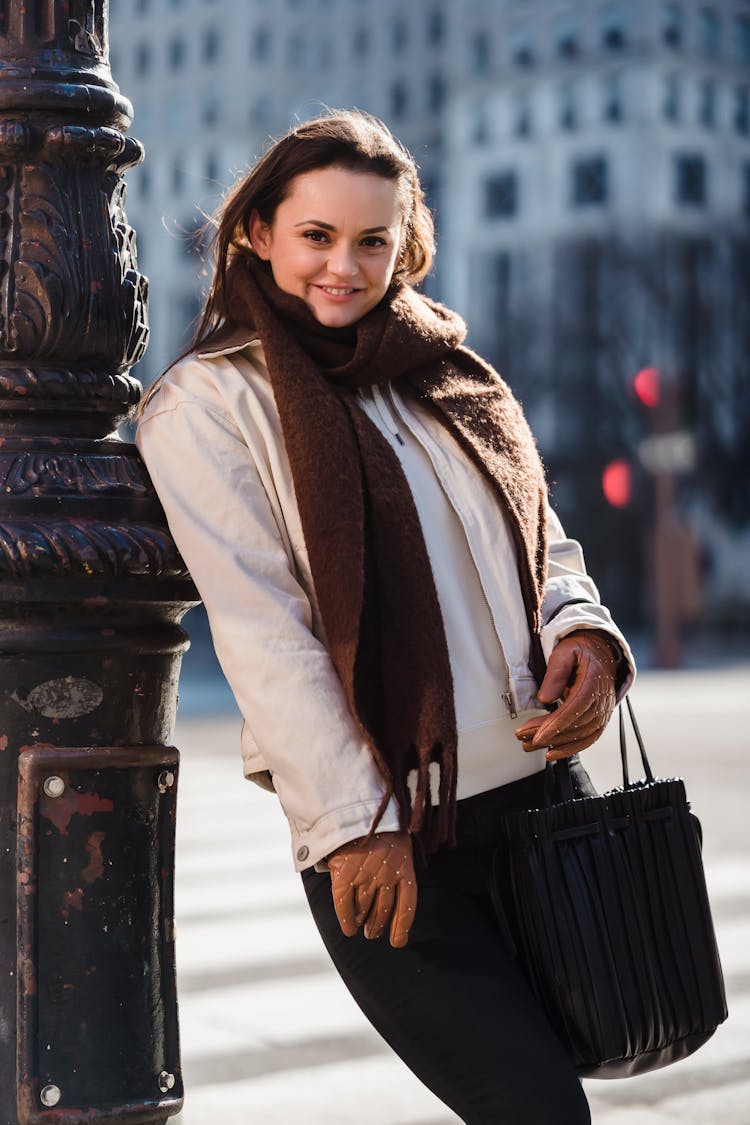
[(581, 672), (373, 883)]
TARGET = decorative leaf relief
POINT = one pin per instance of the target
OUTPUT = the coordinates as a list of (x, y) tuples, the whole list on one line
[(75, 291), (48, 286), (87, 548), (45, 474)]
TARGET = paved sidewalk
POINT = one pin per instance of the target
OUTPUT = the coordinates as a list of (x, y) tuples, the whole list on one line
[(269, 1033)]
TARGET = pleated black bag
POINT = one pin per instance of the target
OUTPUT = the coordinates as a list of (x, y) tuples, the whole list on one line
[(610, 919)]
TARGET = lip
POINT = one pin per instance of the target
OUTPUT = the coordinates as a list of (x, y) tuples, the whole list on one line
[(338, 298)]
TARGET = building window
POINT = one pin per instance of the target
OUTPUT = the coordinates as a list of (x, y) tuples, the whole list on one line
[(361, 41), (479, 52), (260, 45), (501, 195), (612, 98), (709, 31), (480, 123), (210, 108), (178, 175), (399, 34), (742, 110), (436, 92), (176, 53), (142, 6), (431, 188), (613, 27), (211, 168), (589, 181), (502, 278), (210, 45), (742, 38), (142, 59), (523, 125), (568, 107), (746, 190), (672, 98), (567, 36), (707, 106), (521, 45), (672, 28), (399, 99), (435, 26), (690, 180), (144, 184)]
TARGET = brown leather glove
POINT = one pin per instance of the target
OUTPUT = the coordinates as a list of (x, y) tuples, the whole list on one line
[(373, 883), (581, 672)]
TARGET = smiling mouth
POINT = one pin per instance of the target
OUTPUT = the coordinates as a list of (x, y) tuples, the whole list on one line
[(337, 292)]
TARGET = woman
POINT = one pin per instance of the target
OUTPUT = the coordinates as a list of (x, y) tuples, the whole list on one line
[(363, 510)]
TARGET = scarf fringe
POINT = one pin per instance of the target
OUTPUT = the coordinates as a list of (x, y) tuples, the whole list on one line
[(433, 824)]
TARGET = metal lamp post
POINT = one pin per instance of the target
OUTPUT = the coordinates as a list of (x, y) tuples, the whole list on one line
[(92, 590)]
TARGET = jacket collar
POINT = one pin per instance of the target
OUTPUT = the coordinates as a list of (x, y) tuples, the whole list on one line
[(227, 340)]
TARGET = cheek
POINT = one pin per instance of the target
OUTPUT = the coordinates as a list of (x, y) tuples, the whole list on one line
[(295, 262)]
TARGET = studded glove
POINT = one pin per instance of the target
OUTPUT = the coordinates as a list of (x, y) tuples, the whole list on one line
[(581, 673), (373, 883)]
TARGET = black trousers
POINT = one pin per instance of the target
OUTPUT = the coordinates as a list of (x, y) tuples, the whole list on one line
[(453, 1004)]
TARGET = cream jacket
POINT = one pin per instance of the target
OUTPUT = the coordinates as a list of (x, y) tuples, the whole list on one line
[(211, 438)]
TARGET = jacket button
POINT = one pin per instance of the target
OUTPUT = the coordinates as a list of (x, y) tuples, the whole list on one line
[(303, 853)]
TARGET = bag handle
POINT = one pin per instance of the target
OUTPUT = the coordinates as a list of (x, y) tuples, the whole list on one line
[(623, 745), (558, 782)]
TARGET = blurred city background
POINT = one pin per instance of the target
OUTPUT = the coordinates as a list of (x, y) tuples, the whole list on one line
[(588, 164)]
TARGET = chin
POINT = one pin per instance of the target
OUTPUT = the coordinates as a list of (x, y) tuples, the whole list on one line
[(336, 318)]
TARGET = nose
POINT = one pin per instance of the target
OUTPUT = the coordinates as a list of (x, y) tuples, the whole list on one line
[(342, 261)]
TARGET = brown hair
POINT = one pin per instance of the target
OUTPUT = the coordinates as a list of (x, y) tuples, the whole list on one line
[(349, 139)]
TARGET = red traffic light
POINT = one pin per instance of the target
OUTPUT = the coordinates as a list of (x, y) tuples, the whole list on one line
[(617, 483), (646, 386)]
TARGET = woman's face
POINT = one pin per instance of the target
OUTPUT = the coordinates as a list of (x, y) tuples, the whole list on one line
[(334, 242)]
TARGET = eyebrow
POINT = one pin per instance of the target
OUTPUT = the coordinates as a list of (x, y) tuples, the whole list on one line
[(327, 226)]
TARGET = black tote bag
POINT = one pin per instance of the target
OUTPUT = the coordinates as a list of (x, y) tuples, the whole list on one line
[(610, 920)]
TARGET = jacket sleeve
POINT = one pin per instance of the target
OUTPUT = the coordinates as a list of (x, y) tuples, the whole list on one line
[(571, 601), (281, 675)]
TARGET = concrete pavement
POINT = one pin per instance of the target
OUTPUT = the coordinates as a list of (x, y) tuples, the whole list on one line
[(271, 1036)]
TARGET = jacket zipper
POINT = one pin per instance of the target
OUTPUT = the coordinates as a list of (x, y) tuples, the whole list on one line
[(385, 412)]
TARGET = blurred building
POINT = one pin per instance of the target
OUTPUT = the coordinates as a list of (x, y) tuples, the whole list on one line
[(589, 164), (605, 146), (595, 211)]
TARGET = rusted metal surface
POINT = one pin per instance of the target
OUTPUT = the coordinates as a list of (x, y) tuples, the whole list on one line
[(92, 591), (95, 933)]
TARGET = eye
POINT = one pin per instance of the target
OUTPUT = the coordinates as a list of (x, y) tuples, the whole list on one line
[(315, 236), (373, 241)]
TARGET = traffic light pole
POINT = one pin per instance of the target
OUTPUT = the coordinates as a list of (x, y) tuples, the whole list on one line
[(92, 590)]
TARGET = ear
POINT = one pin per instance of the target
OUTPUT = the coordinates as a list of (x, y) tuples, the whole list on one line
[(260, 236)]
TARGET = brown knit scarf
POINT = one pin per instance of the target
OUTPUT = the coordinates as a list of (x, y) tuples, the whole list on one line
[(378, 603)]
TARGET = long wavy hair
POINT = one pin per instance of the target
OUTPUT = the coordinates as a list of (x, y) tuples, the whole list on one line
[(348, 139)]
